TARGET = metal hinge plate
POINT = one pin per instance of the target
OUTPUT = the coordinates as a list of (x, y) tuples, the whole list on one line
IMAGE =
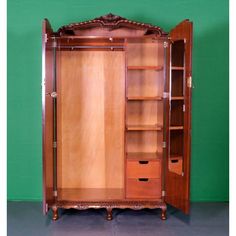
[(165, 95), (165, 44), (189, 82), (164, 144), (54, 144), (184, 108)]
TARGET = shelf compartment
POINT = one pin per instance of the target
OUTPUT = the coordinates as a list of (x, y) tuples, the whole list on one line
[(177, 83), (176, 127), (144, 98), (143, 142), (177, 114), (143, 155), (177, 53), (145, 67), (143, 127), (144, 112), (146, 55), (145, 83)]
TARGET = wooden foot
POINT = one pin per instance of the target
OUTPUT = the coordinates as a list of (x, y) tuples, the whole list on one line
[(55, 213), (109, 213), (163, 213)]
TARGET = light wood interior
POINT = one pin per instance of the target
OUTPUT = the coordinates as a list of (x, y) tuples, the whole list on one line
[(147, 53), (145, 83), (144, 113), (144, 141), (91, 98)]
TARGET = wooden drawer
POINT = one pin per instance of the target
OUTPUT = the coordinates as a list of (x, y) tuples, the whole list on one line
[(143, 188), (143, 169)]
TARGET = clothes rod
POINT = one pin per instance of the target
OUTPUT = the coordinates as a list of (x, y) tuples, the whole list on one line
[(109, 47)]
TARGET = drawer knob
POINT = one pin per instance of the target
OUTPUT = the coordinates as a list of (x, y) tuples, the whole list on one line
[(143, 162)]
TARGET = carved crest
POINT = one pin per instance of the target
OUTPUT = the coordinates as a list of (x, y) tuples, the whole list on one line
[(110, 22)]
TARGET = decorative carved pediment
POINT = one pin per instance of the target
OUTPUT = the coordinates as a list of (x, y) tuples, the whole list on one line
[(110, 22)]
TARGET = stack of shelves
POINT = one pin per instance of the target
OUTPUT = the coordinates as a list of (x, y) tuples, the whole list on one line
[(144, 118), (177, 104)]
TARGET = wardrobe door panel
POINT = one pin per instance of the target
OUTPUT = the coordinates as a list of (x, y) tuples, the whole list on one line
[(177, 174), (47, 115)]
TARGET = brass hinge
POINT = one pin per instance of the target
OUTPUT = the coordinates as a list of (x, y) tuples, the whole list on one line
[(165, 44), (45, 38), (54, 144), (189, 82), (164, 144), (55, 193), (184, 108), (182, 173), (163, 193), (165, 95)]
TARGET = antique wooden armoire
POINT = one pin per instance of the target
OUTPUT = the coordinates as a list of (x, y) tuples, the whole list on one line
[(116, 115)]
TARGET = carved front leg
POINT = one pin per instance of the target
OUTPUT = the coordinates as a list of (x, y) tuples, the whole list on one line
[(109, 213), (55, 213), (163, 213)]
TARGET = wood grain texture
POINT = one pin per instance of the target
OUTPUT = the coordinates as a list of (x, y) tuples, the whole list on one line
[(144, 141), (91, 120), (144, 113), (145, 83)]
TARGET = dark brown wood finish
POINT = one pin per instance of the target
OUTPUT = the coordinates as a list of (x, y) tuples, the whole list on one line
[(110, 25), (178, 186), (47, 114), (138, 49)]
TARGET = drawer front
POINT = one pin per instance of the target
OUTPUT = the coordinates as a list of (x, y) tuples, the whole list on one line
[(143, 169), (143, 188)]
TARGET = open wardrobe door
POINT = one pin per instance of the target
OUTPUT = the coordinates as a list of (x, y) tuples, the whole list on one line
[(177, 168), (47, 114)]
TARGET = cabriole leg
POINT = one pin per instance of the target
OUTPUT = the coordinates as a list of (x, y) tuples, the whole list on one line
[(109, 213), (163, 213), (55, 213)]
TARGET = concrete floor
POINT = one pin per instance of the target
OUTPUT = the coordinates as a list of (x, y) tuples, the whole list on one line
[(210, 219)]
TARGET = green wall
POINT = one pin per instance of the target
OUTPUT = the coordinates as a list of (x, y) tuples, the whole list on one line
[(210, 126)]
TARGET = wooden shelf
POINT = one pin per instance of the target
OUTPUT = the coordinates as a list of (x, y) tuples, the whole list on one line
[(145, 67), (143, 155), (177, 68), (143, 127), (175, 98), (144, 98), (176, 127)]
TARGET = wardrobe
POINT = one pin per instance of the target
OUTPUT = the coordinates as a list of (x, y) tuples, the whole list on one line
[(116, 115)]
